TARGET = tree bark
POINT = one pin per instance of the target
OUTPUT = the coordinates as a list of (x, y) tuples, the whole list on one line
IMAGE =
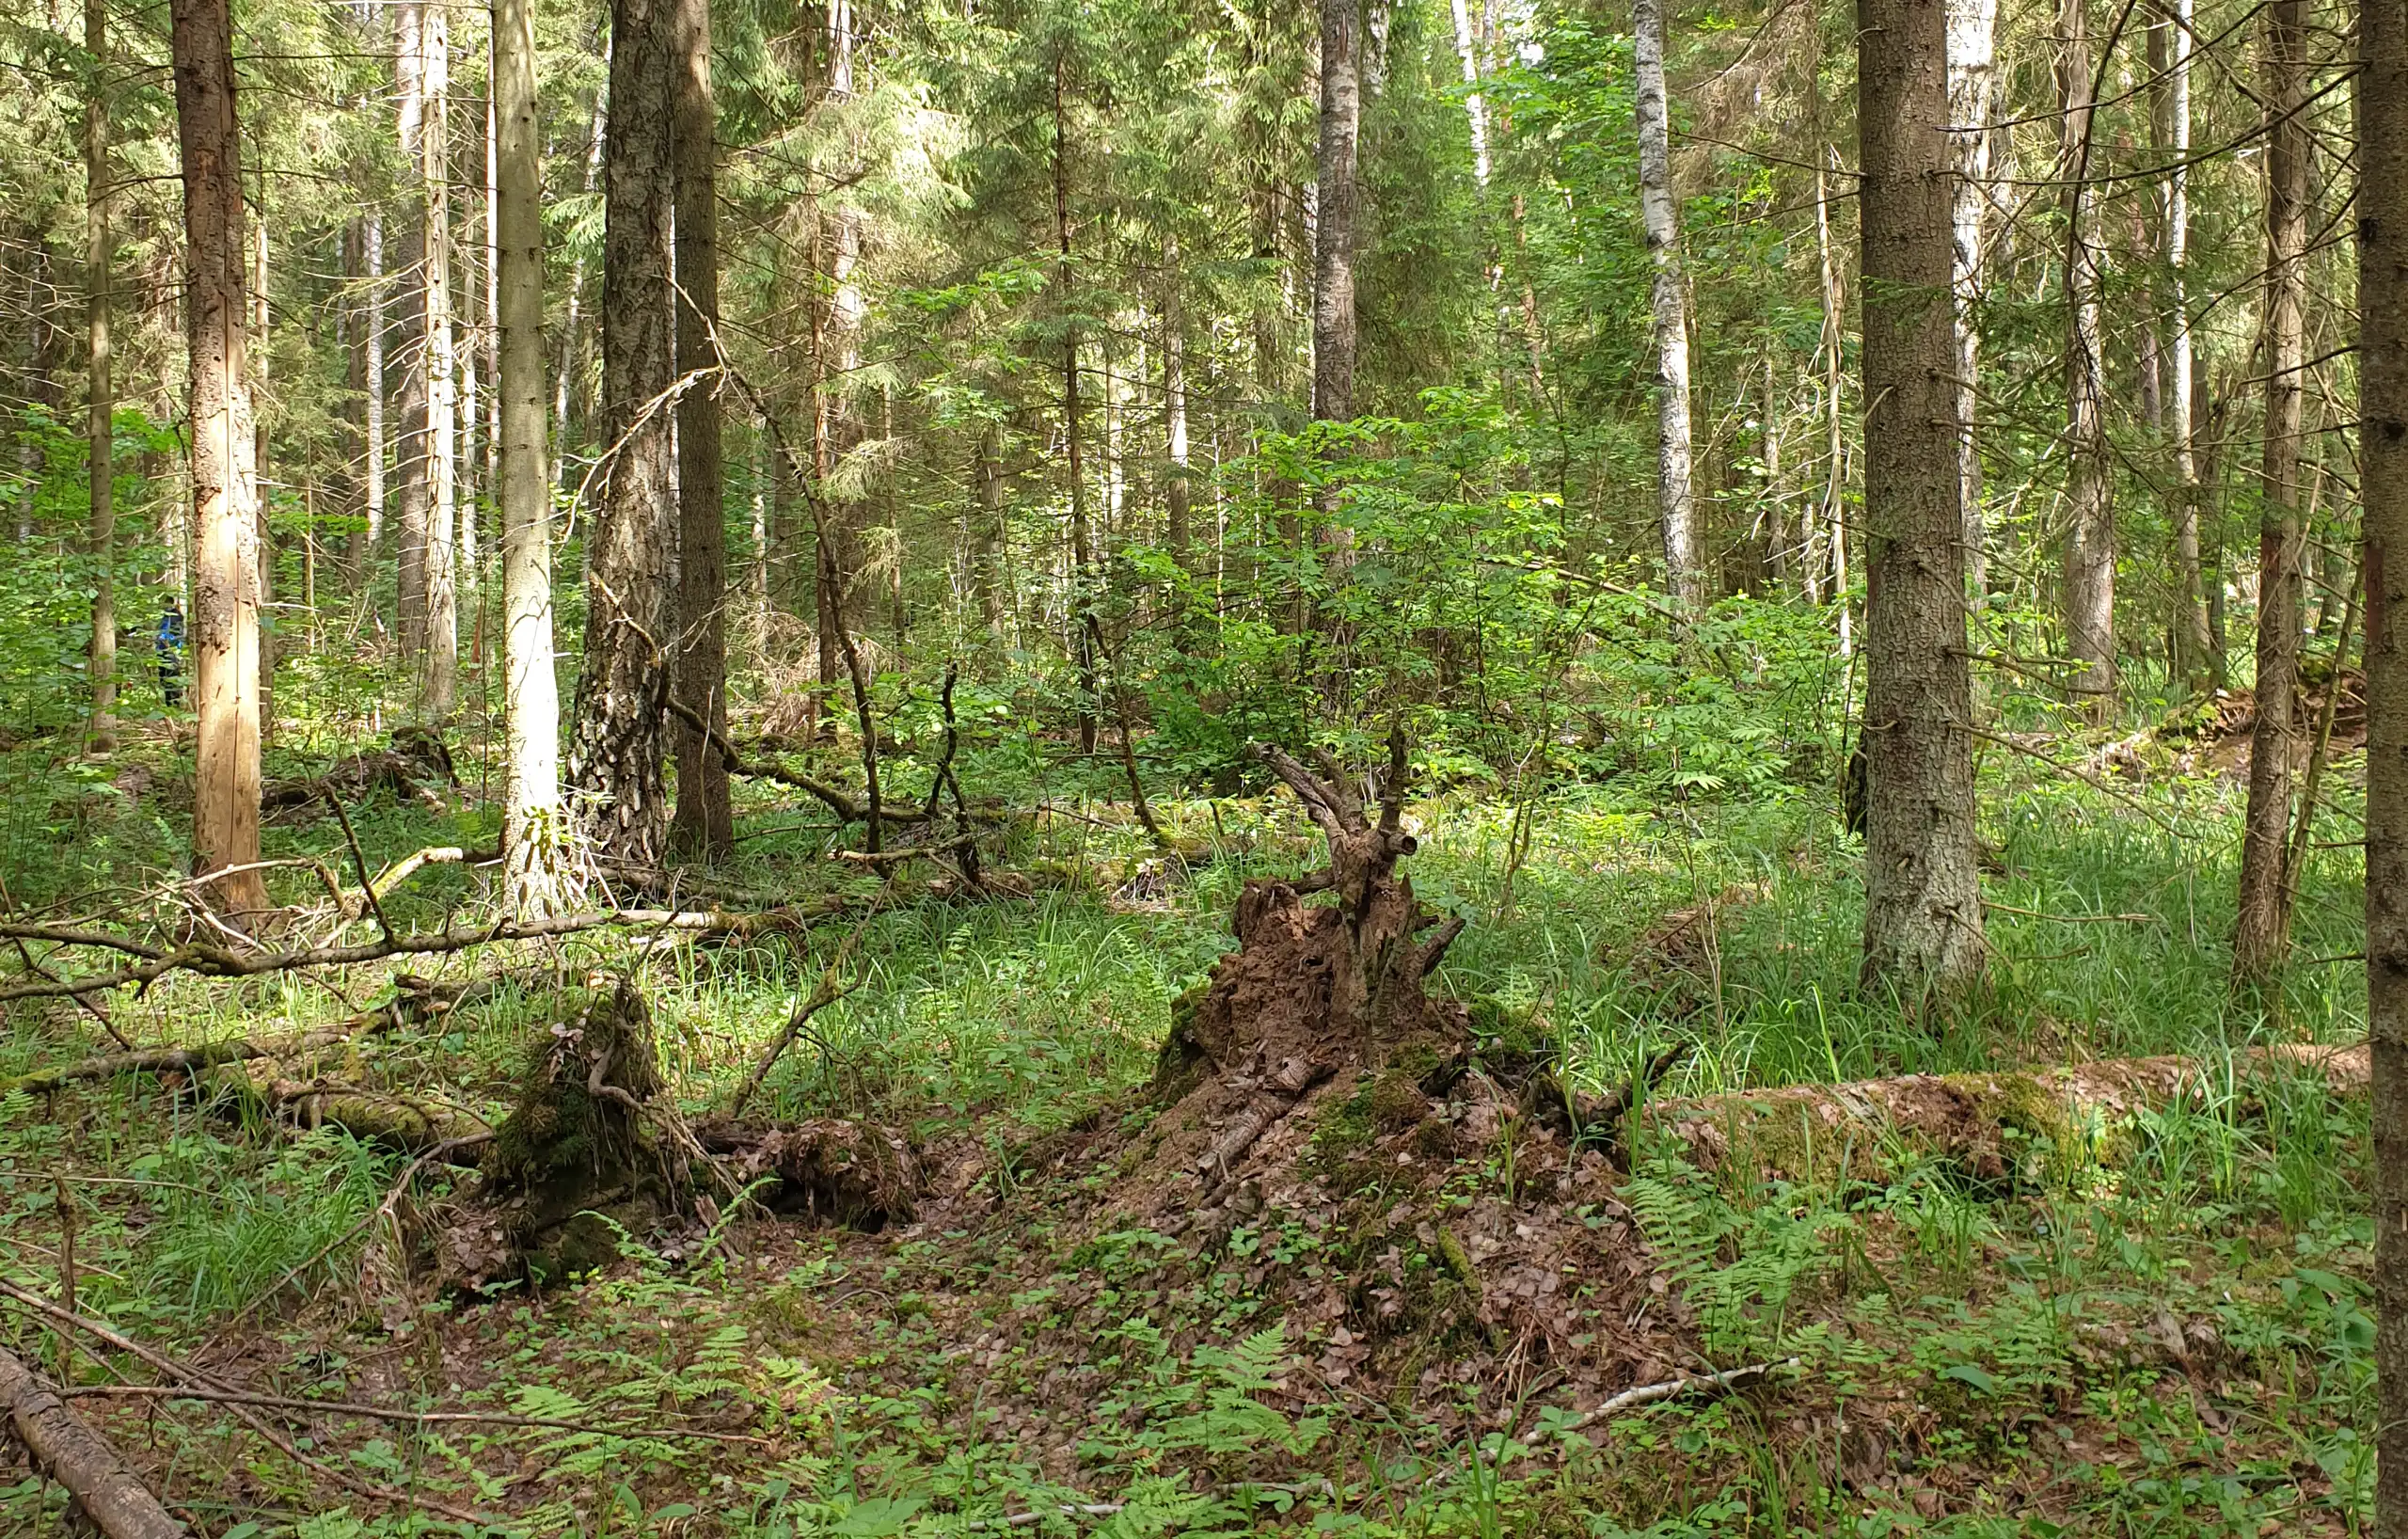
[(225, 488), (438, 680), (615, 749), (2257, 950), (2090, 546), (531, 830), (259, 352), (704, 824), (1923, 911), (1675, 497), (108, 1493), (372, 347), (2382, 438), (1082, 582), (102, 661), (2199, 662), (413, 458), (1179, 534), (985, 541), (1972, 57), (1339, 209)]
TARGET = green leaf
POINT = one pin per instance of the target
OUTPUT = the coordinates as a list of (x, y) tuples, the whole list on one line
[(878, 1517), (1972, 1373)]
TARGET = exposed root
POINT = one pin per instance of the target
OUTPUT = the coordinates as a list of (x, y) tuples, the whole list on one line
[(831, 1170)]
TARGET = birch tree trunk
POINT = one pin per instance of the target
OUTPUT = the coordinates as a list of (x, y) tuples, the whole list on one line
[(2200, 662), (1972, 55), (532, 830), (615, 747), (1178, 492), (1676, 498), (102, 658), (2090, 544), (2257, 929), (2383, 413), (1923, 908), (373, 345), (413, 458), (224, 491), (438, 680), (704, 823)]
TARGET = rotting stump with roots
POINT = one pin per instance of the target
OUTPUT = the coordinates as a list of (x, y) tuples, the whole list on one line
[(1314, 988)]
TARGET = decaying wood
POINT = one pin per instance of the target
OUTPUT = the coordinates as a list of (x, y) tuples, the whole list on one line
[(1862, 1130), (417, 755), (214, 959), (410, 1125), (1648, 1394), (108, 1494)]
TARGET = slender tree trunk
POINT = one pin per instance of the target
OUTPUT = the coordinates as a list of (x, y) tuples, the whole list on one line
[(704, 824), (372, 347), (1082, 594), (569, 353), (489, 340), (1178, 491), (2200, 663), (1834, 516), (2382, 414), (1923, 908), (2090, 547), (615, 748), (1972, 55), (439, 678), (225, 491), (414, 459), (259, 353), (1675, 496), (1339, 203), (532, 830), (101, 663), (2257, 930)]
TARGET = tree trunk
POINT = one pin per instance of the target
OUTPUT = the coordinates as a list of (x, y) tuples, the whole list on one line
[(1923, 909), (1178, 492), (615, 749), (259, 462), (103, 658), (1081, 593), (1339, 208), (704, 825), (1832, 522), (2090, 546), (413, 459), (2257, 929), (985, 541), (1676, 498), (372, 347), (2173, 136), (2382, 436), (224, 491), (439, 678), (530, 832), (569, 356), (1972, 57)]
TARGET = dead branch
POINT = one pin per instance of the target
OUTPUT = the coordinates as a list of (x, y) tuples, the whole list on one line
[(908, 852), (189, 1061), (1647, 1394), (61, 1448), (251, 1418), (737, 764), (214, 959), (824, 993)]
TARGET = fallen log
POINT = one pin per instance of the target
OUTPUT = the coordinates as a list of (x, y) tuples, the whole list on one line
[(2029, 1124), (418, 754), (61, 1448), (407, 1124)]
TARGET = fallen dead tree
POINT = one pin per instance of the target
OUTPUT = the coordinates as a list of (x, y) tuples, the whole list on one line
[(105, 1490), (842, 804), (1996, 1125), (217, 958), (416, 756)]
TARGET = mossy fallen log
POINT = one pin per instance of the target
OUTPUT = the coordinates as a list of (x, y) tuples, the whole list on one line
[(2035, 1125)]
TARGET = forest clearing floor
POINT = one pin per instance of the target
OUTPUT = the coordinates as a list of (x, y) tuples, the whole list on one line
[(1390, 1317)]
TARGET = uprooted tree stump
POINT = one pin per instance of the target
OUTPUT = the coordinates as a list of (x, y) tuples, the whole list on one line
[(582, 1149), (1314, 988)]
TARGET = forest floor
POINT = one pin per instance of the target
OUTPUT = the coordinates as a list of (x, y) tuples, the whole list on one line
[(2155, 1323)]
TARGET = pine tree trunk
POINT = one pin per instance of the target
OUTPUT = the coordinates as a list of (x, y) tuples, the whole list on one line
[(2383, 413), (225, 489), (616, 747), (530, 690), (1923, 909), (703, 824), (1972, 57), (2258, 928), (1675, 496), (2200, 663), (101, 661), (2090, 546), (259, 352)]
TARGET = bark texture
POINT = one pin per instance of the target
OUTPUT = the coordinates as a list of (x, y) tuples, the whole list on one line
[(1972, 57), (225, 483), (102, 659), (2090, 544), (1338, 200), (438, 676), (1676, 498), (2257, 945), (530, 690), (107, 1494), (616, 747), (704, 824), (2382, 411), (1923, 911), (2172, 43)]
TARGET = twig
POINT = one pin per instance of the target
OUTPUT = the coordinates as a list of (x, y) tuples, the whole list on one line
[(2073, 918), (824, 993), (1647, 1394), (2083, 775)]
